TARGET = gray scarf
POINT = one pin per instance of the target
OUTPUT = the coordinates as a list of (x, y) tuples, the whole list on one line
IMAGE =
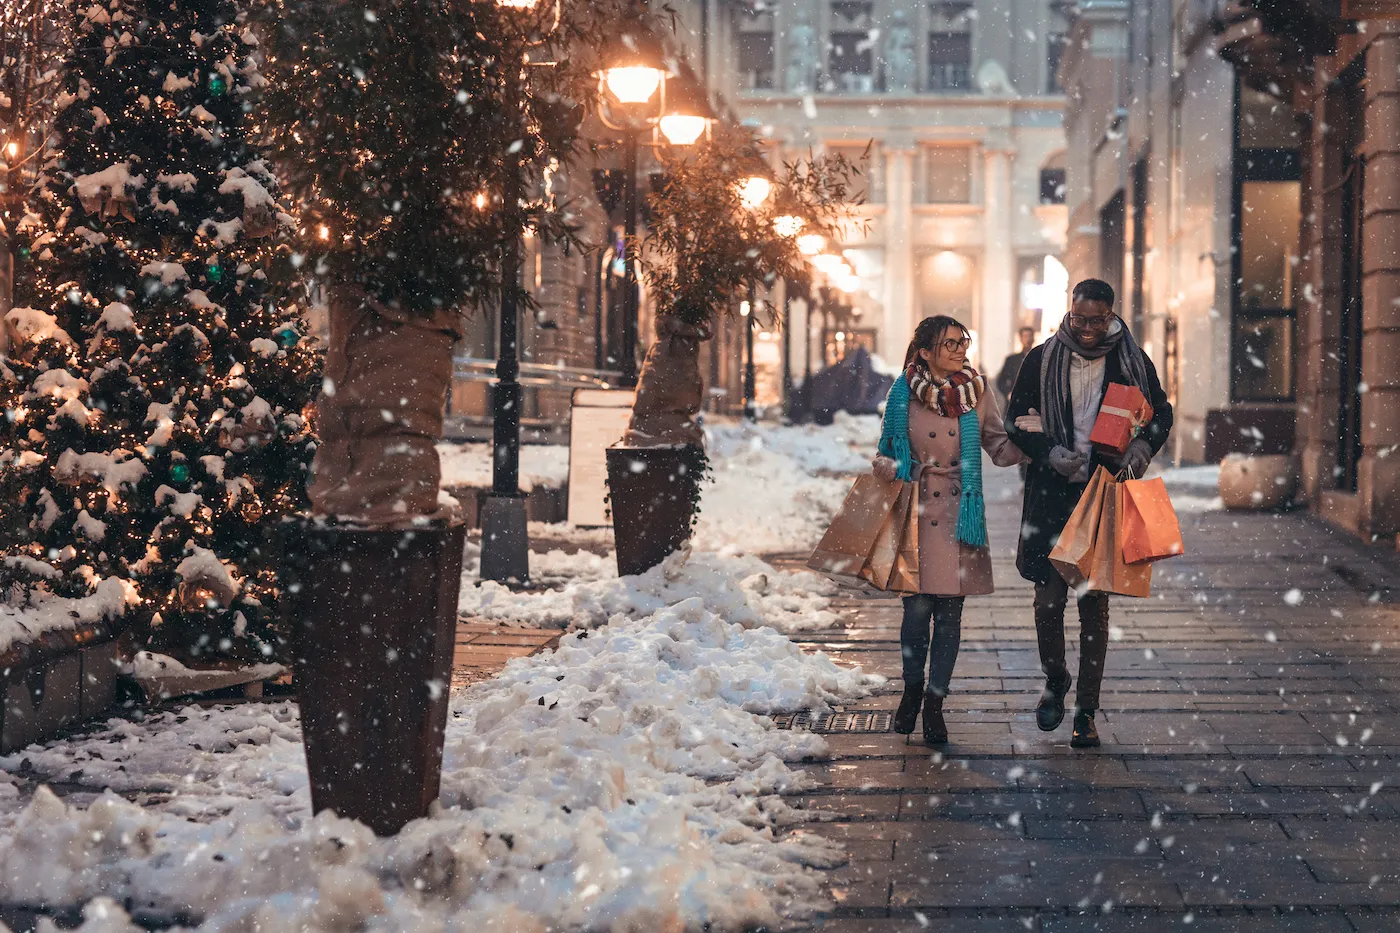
[(1054, 375)]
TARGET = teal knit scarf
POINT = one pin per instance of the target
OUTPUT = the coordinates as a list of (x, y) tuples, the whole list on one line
[(894, 443)]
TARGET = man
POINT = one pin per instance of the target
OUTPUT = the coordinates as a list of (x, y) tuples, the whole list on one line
[(1063, 380), (1006, 379)]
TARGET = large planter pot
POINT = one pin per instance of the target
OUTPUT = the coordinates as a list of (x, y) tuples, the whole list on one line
[(374, 624), (1259, 482), (654, 492)]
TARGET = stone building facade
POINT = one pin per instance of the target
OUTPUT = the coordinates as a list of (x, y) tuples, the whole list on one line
[(1183, 189), (954, 109), (1341, 78), (1233, 170)]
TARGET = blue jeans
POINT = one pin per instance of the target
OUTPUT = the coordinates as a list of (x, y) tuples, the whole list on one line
[(946, 615)]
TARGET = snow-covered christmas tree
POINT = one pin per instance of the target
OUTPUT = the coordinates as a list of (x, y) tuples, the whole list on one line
[(158, 370)]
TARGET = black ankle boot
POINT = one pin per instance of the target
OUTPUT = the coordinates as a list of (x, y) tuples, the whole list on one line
[(1086, 735), (935, 729), (1050, 711), (908, 711)]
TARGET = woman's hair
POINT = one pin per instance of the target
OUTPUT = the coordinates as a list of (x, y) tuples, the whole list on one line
[(928, 334)]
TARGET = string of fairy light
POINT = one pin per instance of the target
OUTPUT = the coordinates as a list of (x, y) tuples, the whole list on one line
[(206, 379)]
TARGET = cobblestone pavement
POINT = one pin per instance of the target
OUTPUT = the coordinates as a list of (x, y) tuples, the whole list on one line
[(1247, 781)]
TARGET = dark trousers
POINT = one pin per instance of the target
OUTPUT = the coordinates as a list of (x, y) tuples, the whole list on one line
[(1050, 601), (945, 612)]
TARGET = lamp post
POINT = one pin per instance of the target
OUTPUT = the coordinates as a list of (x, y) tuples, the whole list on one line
[(753, 192), (505, 542), (635, 76), (790, 226)]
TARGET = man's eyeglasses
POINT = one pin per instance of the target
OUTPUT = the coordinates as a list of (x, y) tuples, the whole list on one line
[(1098, 322), (952, 345)]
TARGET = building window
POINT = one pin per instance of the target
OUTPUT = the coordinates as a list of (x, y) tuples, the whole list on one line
[(1055, 44), (948, 178), (1052, 186), (950, 46), (852, 45), (947, 283), (1267, 212), (756, 72)]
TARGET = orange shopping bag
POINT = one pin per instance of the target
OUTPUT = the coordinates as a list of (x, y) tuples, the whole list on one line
[(849, 539), (1110, 573), (1073, 554), (1150, 530), (893, 564)]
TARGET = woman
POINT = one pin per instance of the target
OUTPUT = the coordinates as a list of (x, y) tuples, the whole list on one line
[(938, 414)]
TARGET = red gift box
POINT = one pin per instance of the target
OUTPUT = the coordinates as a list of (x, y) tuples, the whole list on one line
[(1121, 416)]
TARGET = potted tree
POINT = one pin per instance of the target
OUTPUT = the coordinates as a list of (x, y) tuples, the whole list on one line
[(418, 154), (712, 238)]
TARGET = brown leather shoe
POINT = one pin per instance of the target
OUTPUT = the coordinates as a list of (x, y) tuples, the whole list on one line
[(1086, 735)]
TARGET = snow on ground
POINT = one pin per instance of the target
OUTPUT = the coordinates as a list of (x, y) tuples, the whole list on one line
[(46, 613), (845, 446), (622, 782), (772, 491), (1193, 488), (743, 589), (544, 465)]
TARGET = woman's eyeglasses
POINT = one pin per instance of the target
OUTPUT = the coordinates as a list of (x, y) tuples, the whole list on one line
[(1099, 322), (952, 345)]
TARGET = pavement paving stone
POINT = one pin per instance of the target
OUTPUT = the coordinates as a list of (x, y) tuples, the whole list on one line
[(1244, 780)]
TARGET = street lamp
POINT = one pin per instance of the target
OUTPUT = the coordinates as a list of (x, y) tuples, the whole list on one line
[(505, 543), (685, 114), (789, 226), (636, 74), (753, 192)]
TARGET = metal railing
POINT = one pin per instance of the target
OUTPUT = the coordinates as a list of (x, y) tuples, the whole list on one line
[(472, 369)]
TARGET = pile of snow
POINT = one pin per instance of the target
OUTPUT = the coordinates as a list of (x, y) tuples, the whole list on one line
[(775, 488), (47, 613), (623, 782), (760, 502), (543, 465), (743, 589), (845, 446)]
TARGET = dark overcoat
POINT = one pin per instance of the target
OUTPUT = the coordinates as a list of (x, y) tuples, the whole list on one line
[(1049, 498)]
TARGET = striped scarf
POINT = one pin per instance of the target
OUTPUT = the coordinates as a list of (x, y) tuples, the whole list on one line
[(950, 399), (894, 443)]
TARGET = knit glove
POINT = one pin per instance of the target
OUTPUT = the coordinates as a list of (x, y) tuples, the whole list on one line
[(884, 468), (1137, 458), (1066, 462)]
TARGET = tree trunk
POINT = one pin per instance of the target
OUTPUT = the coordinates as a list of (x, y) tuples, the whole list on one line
[(380, 414), (670, 390)]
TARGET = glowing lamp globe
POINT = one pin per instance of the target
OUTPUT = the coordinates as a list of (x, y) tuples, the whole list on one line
[(632, 84), (811, 244), (788, 225), (754, 190), (681, 129)]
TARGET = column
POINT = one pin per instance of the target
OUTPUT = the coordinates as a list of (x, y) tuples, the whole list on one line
[(998, 305), (897, 328), (1379, 481)]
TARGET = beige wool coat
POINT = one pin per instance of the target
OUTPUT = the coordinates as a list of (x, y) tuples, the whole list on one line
[(946, 566)]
